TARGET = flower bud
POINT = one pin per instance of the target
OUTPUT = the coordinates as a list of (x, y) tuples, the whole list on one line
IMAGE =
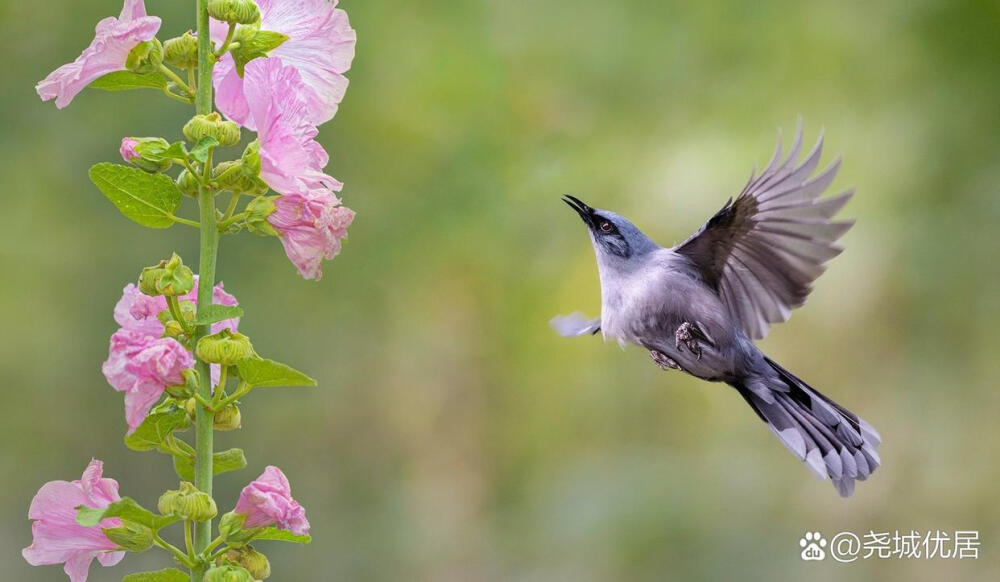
[(146, 153), (187, 184), (228, 418), (187, 389), (255, 562), (234, 11), (146, 57), (257, 212), (226, 348), (227, 573), (251, 158), (170, 277), (191, 406), (182, 51), (173, 329), (131, 536), (188, 502), (233, 176), (227, 133)]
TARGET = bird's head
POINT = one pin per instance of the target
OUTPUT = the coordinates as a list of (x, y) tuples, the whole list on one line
[(615, 238)]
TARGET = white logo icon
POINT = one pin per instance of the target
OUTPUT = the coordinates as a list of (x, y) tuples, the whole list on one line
[(812, 545)]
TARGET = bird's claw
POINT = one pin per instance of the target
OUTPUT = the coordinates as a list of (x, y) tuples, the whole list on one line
[(663, 361), (687, 336)]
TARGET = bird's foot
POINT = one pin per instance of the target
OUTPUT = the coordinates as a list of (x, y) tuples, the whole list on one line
[(689, 335), (663, 360)]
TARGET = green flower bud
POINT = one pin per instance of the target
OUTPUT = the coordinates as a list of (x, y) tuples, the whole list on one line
[(232, 532), (212, 125), (191, 406), (173, 329), (182, 51), (187, 502), (227, 573), (187, 184), (233, 176), (133, 537), (255, 562), (170, 277), (251, 158), (234, 11), (228, 418), (257, 212), (226, 348), (187, 389), (146, 57), (147, 153)]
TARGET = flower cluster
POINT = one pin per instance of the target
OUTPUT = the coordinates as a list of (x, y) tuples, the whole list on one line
[(277, 68)]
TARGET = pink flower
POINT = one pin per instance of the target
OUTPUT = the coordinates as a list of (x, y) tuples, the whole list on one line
[(310, 226), (320, 47), (58, 539), (291, 159), (268, 501), (114, 38), (142, 366), (127, 149)]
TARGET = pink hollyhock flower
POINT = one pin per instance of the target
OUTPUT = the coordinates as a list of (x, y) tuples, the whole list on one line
[(291, 159), (127, 149), (114, 39), (137, 311), (320, 47), (268, 501), (58, 539), (142, 366), (310, 226)]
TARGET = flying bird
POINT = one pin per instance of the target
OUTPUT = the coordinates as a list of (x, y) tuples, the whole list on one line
[(698, 306)]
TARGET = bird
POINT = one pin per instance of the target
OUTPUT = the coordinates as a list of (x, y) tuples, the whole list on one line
[(697, 307)]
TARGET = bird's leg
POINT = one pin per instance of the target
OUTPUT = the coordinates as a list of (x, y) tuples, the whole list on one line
[(690, 335), (663, 361)]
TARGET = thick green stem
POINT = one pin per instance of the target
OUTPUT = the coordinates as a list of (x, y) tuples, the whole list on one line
[(206, 281)]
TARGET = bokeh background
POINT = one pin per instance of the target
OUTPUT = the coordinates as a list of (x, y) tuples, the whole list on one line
[(454, 436)]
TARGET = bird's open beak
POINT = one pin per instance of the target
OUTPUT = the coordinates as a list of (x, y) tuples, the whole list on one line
[(585, 212)]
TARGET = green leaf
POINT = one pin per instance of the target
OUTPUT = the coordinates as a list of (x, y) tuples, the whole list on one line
[(156, 428), (254, 44), (125, 508), (164, 575), (125, 80), (201, 149), (281, 535), (148, 199), (263, 373), (222, 462), (215, 313)]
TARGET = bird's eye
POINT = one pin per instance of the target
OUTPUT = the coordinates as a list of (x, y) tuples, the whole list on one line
[(605, 226)]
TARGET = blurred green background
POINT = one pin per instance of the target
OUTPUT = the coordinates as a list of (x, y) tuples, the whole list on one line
[(454, 436)]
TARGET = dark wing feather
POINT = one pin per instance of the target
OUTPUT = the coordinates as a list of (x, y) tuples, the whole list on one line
[(763, 250)]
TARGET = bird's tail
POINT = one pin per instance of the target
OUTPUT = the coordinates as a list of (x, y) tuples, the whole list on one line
[(831, 440)]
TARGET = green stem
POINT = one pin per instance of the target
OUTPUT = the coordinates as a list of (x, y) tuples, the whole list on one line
[(215, 543), (232, 206), (176, 79), (177, 553), (220, 389), (241, 391), (234, 218), (225, 44), (176, 97), (181, 220), (188, 540), (209, 247)]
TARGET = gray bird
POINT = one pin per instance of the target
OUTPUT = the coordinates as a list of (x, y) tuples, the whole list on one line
[(698, 306)]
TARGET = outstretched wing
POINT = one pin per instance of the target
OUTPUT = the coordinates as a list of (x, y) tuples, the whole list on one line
[(764, 249)]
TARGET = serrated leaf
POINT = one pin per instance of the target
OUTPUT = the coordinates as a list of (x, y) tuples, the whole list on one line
[(164, 575), (222, 462), (125, 80), (156, 428), (264, 373), (201, 149), (127, 509), (216, 313), (148, 199), (281, 535)]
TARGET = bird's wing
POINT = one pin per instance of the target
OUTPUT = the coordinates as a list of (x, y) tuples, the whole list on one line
[(762, 251), (575, 324)]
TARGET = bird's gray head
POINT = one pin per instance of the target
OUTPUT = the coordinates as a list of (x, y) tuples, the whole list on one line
[(614, 237)]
